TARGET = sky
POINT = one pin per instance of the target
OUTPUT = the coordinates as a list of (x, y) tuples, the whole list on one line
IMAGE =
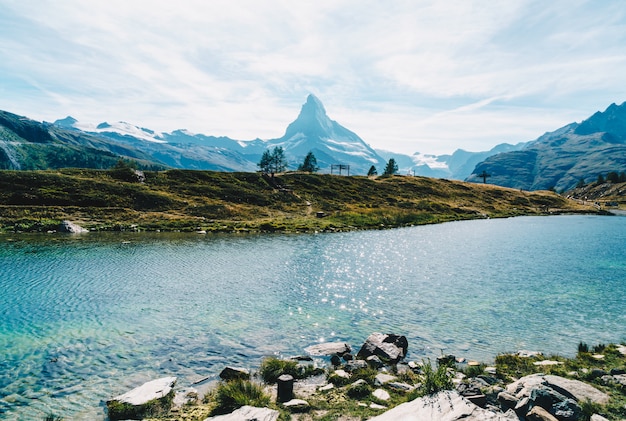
[(405, 75)]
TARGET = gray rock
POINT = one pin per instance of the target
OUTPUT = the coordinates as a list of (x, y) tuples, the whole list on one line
[(185, 396), (577, 389), (70, 227), (570, 388), (328, 349), (355, 365), (137, 401), (447, 405), (381, 394), (374, 362), (232, 373), (596, 417), (538, 413), (400, 386), (507, 400), (341, 374), (382, 379), (248, 413), (297, 405), (389, 348)]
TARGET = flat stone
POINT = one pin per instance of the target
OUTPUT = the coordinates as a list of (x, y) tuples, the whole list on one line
[(328, 349), (491, 370), (446, 405), (326, 387), (154, 389), (382, 379), (597, 417), (248, 413), (537, 413), (547, 362), (341, 373), (136, 402), (377, 406), (400, 386), (579, 390), (296, 405), (507, 399), (381, 394)]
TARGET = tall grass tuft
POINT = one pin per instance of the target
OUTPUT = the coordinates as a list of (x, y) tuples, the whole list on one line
[(234, 394)]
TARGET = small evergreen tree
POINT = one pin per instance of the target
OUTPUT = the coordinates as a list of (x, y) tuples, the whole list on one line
[(612, 177), (600, 179), (391, 167), (581, 183), (372, 171), (265, 164), (278, 159), (273, 162), (622, 177), (309, 164)]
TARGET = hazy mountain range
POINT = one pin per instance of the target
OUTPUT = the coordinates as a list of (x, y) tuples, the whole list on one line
[(558, 159)]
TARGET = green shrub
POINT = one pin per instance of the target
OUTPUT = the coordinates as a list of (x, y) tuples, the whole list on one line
[(474, 370), (434, 381), (272, 368), (234, 394)]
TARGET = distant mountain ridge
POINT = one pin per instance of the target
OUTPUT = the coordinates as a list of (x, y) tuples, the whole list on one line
[(312, 131), (560, 159)]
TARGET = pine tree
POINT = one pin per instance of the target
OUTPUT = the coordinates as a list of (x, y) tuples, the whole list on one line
[(391, 167), (372, 171), (309, 164)]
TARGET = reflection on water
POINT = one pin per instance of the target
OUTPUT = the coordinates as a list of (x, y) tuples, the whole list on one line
[(87, 317)]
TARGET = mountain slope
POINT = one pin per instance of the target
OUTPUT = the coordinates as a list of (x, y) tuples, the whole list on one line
[(29, 145), (562, 158)]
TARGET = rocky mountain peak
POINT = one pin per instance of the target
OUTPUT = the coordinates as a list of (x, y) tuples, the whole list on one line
[(312, 119), (612, 120), (67, 122)]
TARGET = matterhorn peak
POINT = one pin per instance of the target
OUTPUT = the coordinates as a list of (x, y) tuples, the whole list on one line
[(311, 120)]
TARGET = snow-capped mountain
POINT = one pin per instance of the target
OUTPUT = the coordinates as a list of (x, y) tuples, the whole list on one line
[(330, 142), (312, 131)]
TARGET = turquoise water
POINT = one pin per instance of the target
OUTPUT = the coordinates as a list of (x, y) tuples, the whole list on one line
[(87, 317)]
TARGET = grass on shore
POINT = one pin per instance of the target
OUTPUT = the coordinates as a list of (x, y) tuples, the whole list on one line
[(187, 200), (347, 401)]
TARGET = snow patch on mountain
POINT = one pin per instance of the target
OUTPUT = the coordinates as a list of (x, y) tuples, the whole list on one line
[(432, 161)]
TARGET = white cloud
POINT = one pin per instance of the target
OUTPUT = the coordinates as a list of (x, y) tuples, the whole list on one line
[(431, 75)]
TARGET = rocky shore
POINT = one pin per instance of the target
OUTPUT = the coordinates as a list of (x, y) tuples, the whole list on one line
[(331, 382)]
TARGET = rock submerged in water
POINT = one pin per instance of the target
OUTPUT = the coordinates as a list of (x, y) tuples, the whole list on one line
[(151, 398)]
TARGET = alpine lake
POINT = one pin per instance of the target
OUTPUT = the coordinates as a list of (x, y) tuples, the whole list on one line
[(86, 317)]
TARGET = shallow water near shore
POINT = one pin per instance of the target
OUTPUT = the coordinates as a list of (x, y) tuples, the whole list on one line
[(87, 317)]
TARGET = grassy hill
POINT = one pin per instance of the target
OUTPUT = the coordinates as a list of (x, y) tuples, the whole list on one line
[(189, 200)]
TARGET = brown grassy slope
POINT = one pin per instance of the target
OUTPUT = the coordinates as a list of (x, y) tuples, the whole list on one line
[(218, 201)]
